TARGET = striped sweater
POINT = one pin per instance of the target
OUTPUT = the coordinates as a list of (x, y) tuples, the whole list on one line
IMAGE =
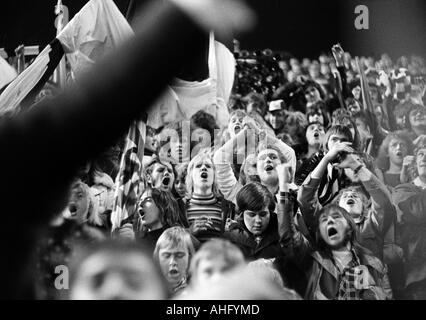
[(201, 206)]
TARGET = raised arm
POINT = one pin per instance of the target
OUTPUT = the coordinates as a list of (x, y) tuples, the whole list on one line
[(338, 57), (286, 150), (223, 158), (292, 241), (307, 196), (383, 210)]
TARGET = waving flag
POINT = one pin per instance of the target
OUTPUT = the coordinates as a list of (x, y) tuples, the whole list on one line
[(365, 88), (95, 30), (129, 179), (7, 72), (367, 103)]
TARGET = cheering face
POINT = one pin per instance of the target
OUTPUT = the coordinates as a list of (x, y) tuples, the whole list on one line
[(210, 271), (162, 176), (117, 276), (257, 222), (379, 113), (421, 162), (174, 262), (417, 118), (78, 203), (374, 94), (316, 117), (354, 106), (400, 121), (352, 203), (356, 92), (203, 173), (333, 228), (312, 95), (267, 161), (151, 142), (397, 151), (180, 185), (235, 125), (315, 134), (149, 211), (276, 119)]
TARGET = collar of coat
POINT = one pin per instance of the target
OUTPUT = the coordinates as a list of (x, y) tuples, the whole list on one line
[(365, 259), (246, 238)]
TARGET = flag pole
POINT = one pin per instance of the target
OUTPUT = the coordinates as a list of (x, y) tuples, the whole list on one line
[(60, 75)]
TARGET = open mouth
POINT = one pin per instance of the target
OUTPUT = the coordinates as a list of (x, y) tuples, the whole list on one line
[(173, 272), (399, 153), (350, 202), (332, 232), (237, 128), (204, 175), (316, 135), (166, 181), (269, 168), (73, 210)]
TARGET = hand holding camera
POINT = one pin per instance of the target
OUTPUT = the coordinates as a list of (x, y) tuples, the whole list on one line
[(350, 161), (338, 152)]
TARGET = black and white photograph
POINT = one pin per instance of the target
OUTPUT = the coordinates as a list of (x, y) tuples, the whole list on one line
[(213, 154)]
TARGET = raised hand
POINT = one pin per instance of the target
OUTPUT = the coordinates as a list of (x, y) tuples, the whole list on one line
[(337, 148), (251, 124), (408, 160), (351, 161), (338, 54)]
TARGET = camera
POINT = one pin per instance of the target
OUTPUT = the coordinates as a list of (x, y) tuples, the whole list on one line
[(340, 157)]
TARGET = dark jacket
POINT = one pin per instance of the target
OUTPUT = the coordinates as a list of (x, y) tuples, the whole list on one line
[(268, 247), (323, 275)]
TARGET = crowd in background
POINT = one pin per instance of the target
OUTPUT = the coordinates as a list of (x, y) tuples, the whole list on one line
[(316, 189)]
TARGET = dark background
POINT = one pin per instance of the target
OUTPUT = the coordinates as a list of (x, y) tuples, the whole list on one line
[(302, 27)]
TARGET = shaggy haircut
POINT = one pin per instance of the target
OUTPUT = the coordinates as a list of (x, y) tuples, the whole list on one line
[(340, 130), (174, 236), (382, 161), (169, 208), (255, 196), (203, 154), (352, 232)]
